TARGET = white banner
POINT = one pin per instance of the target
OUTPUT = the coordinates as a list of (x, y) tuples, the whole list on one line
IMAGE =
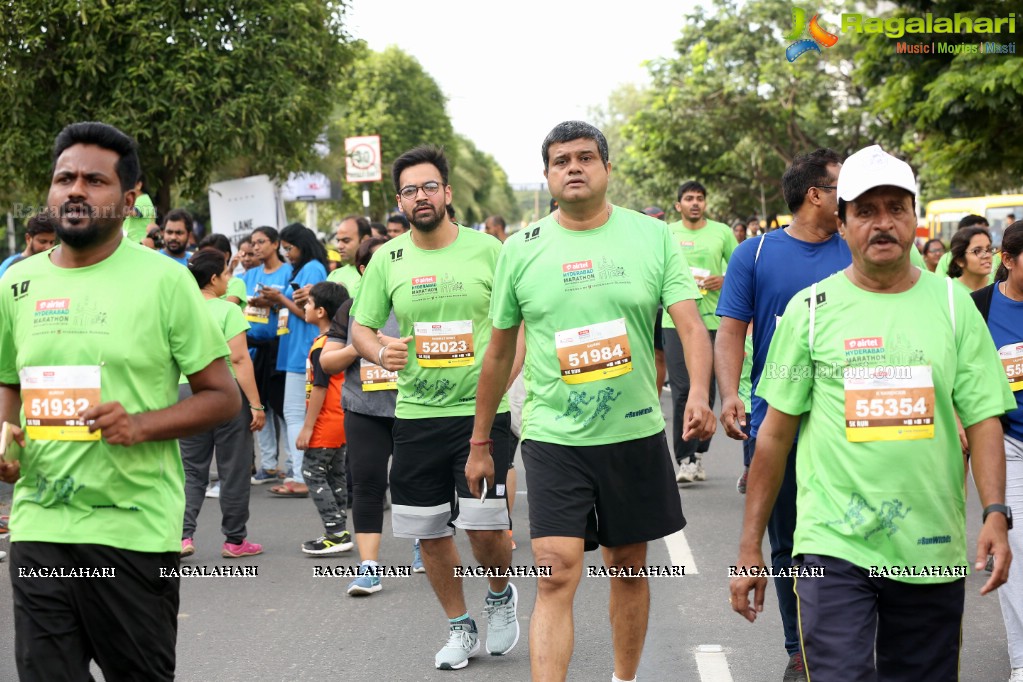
[(239, 206), (306, 187)]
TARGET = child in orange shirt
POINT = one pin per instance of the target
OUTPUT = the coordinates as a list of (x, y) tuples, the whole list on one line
[(323, 434)]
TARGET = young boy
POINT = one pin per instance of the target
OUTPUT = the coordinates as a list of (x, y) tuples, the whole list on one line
[(323, 433)]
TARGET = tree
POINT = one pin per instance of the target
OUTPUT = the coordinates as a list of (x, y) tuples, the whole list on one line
[(730, 111), (387, 94), (954, 115), (623, 103), (479, 187), (195, 83)]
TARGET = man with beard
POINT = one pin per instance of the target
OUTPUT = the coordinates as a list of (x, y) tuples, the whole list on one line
[(351, 232), (177, 231), (99, 486), (40, 235), (437, 278), (397, 225)]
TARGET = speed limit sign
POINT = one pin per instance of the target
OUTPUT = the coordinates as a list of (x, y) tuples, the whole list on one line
[(362, 156)]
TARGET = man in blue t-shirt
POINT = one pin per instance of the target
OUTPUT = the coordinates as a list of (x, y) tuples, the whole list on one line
[(763, 275), (40, 235), (177, 228)]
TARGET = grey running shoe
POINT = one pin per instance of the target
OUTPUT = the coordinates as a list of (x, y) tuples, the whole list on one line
[(795, 671), (502, 622), (686, 472), (463, 643)]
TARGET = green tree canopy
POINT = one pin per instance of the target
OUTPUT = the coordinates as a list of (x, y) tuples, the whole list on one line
[(956, 116), (196, 83), (730, 111)]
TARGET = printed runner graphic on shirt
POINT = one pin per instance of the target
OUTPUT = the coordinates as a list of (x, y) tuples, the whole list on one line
[(856, 517)]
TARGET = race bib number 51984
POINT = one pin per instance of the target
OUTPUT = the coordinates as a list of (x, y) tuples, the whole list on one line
[(52, 398), (598, 351)]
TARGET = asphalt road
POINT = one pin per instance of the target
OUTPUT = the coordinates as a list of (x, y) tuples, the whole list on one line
[(288, 624)]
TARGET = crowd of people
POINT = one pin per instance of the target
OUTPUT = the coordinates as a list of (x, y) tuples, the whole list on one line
[(430, 353)]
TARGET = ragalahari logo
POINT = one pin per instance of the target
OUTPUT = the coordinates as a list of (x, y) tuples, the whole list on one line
[(818, 36)]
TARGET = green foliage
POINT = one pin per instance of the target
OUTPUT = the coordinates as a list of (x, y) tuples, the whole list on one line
[(196, 83), (730, 111), (953, 115), (479, 187)]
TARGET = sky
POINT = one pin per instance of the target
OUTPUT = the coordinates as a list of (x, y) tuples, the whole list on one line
[(512, 71)]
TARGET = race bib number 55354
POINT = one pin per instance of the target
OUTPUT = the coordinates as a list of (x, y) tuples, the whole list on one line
[(52, 398)]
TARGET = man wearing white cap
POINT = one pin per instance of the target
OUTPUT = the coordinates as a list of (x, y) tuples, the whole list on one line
[(887, 356)]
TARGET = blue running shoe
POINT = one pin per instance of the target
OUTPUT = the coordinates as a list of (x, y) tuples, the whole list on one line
[(417, 559), (365, 584)]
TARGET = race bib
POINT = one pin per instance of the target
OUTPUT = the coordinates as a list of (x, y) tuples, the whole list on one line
[(257, 314), (52, 397), (376, 378), (889, 403), (282, 321), (599, 351), (700, 274), (444, 344), (1012, 362)]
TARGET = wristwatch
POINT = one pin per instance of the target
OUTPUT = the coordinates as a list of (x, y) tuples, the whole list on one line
[(999, 508)]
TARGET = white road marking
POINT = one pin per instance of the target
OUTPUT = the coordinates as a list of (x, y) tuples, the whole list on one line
[(681, 555), (712, 664)]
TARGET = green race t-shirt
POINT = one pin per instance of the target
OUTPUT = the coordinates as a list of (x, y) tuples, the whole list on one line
[(879, 469), (707, 251), (347, 276), (587, 298), (745, 376), (229, 320), (134, 346), (135, 227), (442, 297), (236, 288)]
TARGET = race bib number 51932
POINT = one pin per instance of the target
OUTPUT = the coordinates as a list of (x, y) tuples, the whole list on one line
[(52, 398)]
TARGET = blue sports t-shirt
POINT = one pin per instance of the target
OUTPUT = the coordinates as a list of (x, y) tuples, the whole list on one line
[(254, 279), (763, 275), (1005, 320), (295, 345), (11, 260)]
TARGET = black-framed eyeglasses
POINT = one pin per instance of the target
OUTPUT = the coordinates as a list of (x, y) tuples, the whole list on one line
[(978, 251), (826, 186), (410, 192)]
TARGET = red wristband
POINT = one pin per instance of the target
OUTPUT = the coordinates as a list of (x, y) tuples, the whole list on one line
[(489, 442)]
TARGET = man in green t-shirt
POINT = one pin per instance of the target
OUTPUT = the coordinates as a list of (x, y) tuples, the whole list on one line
[(99, 489), (887, 356), (586, 281), (142, 214), (351, 232), (707, 246), (438, 280)]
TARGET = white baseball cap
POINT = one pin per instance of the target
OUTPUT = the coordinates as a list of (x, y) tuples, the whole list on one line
[(873, 167)]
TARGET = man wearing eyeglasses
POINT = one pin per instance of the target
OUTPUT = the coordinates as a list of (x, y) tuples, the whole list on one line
[(873, 365), (351, 232), (437, 278), (708, 246), (763, 275)]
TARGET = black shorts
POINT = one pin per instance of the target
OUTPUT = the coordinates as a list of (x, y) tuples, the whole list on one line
[(658, 336), (615, 494), (127, 623), (429, 493)]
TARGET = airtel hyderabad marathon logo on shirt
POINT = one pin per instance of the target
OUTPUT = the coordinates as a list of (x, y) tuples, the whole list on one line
[(895, 27)]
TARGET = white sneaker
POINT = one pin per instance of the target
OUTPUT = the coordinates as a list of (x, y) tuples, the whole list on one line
[(699, 474), (3, 555), (1017, 675), (213, 490), (686, 472)]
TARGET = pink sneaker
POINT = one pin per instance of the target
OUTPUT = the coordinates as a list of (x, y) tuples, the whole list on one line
[(246, 548), (187, 547)]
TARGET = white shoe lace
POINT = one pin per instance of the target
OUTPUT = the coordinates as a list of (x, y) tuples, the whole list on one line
[(500, 615), (459, 639)]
